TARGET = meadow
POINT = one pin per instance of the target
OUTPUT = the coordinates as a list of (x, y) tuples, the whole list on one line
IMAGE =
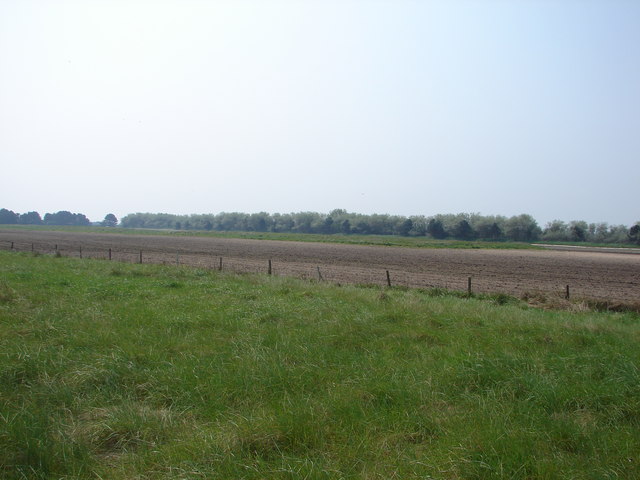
[(121, 371), (351, 239)]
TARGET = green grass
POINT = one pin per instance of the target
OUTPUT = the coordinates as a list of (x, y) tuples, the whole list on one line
[(375, 240), (87, 229), (355, 239), (123, 371), (588, 244), (378, 240)]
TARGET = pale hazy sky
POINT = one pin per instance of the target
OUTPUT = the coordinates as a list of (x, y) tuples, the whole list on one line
[(375, 106)]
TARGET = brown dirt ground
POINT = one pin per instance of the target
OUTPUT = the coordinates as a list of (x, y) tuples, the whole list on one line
[(614, 277)]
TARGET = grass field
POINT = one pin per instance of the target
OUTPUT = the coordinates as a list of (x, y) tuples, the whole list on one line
[(125, 371), (352, 239), (380, 240)]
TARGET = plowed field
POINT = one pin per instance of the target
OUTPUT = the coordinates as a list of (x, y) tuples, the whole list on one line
[(607, 276)]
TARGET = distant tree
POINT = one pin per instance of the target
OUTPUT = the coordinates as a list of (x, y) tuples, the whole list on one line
[(135, 220), (110, 220), (556, 231), (634, 233), (62, 217), (464, 231), (381, 224), (281, 222), (307, 222), (65, 217), (522, 228), (362, 227), (578, 231), (490, 231), (233, 221), (8, 217), (618, 234), (405, 227), (345, 227), (599, 232), (435, 228), (419, 227), (338, 212), (259, 222), (327, 225), (30, 218)]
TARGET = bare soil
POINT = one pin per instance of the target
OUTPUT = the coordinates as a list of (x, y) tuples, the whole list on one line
[(609, 276)]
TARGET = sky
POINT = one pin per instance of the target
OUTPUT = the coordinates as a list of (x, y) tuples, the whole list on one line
[(406, 107)]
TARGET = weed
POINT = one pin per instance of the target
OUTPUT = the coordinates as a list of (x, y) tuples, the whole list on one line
[(7, 294)]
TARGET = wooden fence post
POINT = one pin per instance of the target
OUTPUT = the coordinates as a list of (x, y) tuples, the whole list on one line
[(469, 286), (566, 295), (220, 266), (388, 279), (80, 251), (269, 271), (32, 248), (177, 259), (11, 245), (140, 256), (319, 274), (109, 254)]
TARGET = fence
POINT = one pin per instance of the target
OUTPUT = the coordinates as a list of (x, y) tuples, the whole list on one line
[(201, 259)]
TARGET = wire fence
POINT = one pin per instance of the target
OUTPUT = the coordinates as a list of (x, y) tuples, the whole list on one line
[(334, 273), (236, 264)]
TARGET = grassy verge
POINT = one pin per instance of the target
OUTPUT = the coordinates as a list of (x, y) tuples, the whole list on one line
[(142, 371), (379, 240), (589, 244), (89, 229)]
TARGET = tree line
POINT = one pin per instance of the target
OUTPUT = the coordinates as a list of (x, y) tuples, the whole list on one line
[(462, 226), (63, 217)]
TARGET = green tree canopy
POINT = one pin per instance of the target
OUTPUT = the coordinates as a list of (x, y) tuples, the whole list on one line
[(435, 228), (65, 217), (110, 220), (464, 231), (522, 228), (634, 233), (8, 217), (30, 218)]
